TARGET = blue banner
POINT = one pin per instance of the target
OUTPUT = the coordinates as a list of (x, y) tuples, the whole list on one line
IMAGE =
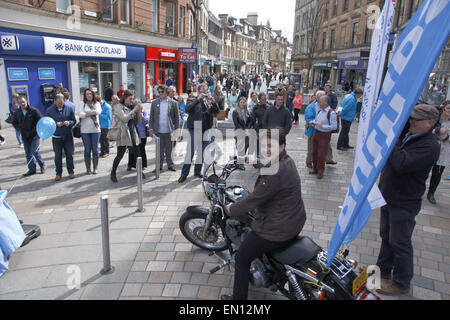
[(414, 58), (11, 232)]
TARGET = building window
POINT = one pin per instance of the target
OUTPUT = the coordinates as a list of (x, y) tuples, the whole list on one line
[(182, 21), (357, 3), (125, 11), (332, 39), (64, 6), (108, 13), (355, 33), (367, 35), (335, 7), (325, 11), (170, 25), (155, 15), (324, 40), (345, 5), (343, 31)]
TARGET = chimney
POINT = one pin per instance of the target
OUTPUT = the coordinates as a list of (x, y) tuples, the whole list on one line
[(252, 18)]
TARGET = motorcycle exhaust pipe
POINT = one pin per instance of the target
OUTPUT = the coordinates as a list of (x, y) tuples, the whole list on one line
[(309, 278)]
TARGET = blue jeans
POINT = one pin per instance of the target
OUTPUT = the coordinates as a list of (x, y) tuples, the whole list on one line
[(31, 149), (90, 142), (58, 146), (19, 137), (188, 161)]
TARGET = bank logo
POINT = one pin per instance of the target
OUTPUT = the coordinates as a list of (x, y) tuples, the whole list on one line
[(59, 46), (9, 43)]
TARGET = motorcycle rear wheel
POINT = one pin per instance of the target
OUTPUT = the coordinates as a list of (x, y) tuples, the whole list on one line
[(192, 225)]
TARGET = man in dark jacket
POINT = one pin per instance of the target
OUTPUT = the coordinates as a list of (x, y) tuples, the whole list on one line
[(278, 116), (332, 95), (278, 207), (258, 114), (202, 110), (402, 184), (63, 137), (25, 121)]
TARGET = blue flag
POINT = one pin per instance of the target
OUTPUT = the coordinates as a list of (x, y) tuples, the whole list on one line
[(11, 232), (415, 55)]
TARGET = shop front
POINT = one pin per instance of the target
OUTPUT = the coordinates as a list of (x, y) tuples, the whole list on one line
[(163, 68), (352, 73), (322, 72), (35, 64)]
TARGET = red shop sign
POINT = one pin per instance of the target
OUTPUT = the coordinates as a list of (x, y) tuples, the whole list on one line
[(163, 54), (187, 55)]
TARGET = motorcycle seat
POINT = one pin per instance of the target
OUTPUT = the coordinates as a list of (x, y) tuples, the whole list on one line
[(300, 251)]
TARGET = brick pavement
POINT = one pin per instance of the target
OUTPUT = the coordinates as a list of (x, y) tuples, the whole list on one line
[(152, 259)]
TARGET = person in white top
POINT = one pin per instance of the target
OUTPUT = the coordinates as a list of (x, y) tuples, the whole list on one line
[(88, 111)]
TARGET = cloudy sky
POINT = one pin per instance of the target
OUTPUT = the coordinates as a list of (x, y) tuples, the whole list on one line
[(280, 13)]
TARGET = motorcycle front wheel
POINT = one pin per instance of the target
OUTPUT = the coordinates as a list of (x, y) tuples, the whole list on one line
[(192, 227)]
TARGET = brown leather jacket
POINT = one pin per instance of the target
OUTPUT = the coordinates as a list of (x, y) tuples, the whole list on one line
[(276, 203)]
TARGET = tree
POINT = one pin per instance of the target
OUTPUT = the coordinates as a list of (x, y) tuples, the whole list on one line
[(316, 18)]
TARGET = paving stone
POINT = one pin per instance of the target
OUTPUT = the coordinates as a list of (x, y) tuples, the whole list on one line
[(181, 277), (208, 293), (171, 290), (425, 294), (189, 291), (152, 290), (131, 290), (160, 277)]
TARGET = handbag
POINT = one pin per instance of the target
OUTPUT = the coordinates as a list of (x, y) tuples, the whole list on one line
[(76, 130), (114, 134), (10, 118)]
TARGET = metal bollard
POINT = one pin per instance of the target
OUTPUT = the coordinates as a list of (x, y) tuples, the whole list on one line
[(157, 156), (140, 189), (107, 268)]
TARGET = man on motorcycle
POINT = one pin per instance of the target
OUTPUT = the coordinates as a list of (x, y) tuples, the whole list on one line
[(277, 205)]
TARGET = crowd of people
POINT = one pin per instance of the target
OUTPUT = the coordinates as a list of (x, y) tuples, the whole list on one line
[(423, 147)]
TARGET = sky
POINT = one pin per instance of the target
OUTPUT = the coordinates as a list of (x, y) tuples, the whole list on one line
[(280, 13)]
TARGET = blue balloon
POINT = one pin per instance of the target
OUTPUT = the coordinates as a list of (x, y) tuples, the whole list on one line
[(46, 127)]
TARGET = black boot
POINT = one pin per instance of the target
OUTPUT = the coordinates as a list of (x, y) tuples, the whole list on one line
[(430, 198), (113, 177)]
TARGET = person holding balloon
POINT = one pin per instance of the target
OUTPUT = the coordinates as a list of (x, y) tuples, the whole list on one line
[(64, 118), (88, 112), (25, 121)]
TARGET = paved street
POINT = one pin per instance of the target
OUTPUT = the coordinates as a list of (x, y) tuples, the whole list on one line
[(152, 259)]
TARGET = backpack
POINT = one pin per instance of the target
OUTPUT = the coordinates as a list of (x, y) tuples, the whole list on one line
[(338, 120)]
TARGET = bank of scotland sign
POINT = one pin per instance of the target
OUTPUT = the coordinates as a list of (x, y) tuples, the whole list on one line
[(72, 47)]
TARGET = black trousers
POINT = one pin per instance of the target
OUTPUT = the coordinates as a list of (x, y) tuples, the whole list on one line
[(104, 142), (143, 153), (133, 153), (436, 175), (253, 247), (343, 140), (396, 252), (296, 112)]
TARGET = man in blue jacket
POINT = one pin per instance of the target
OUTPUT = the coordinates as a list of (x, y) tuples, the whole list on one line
[(105, 119), (63, 137), (348, 114)]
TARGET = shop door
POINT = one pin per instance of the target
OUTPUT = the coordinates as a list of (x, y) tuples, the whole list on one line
[(166, 69)]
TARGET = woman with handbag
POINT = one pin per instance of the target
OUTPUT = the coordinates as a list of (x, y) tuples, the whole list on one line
[(127, 117), (88, 112), (13, 106)]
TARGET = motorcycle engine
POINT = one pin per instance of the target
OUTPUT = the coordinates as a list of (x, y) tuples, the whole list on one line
[(259, 276), (258, 272)]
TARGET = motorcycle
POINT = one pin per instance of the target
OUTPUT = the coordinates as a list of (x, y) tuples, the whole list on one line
[(297, 271)]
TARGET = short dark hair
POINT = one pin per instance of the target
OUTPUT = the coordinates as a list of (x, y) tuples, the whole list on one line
[(281, 135), (278, 93), (358, 91), (164, 88)]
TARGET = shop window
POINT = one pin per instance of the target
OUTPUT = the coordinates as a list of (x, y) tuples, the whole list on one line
[(64, 6), (170, 25), (107, 10), (125, 11), (155, 15), (88, 72)]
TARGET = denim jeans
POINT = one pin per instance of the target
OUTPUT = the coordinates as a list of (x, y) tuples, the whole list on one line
[(19, 137), (343, 140), (31, 149), (60, 144), (190, 152), (90, 142)]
